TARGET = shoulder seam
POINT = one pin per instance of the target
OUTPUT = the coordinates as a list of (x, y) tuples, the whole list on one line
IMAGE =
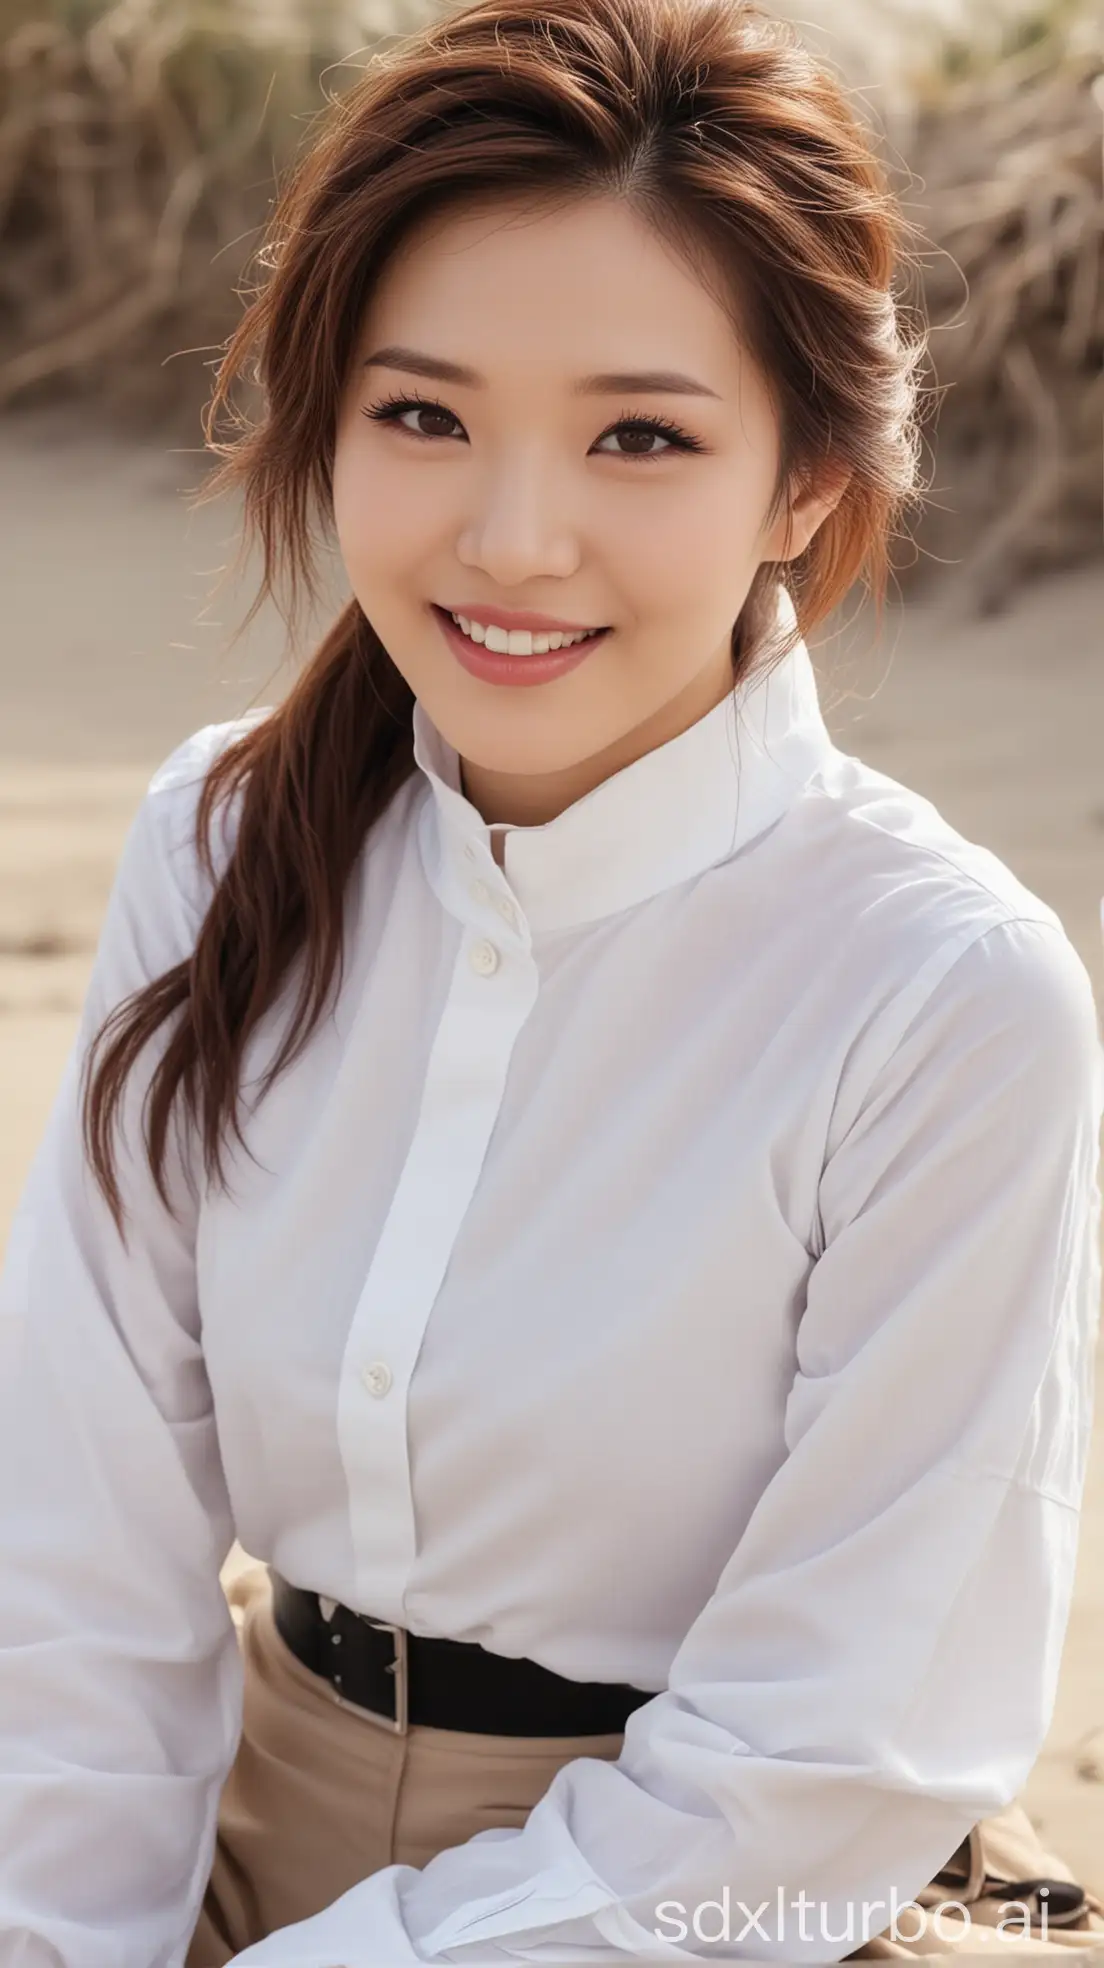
[(954, 951), (916, 996)]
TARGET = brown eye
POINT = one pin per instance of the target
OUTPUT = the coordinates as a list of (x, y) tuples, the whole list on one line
[(442, 416), (640, 432), (395, 408), (644, 442), (644, 430)]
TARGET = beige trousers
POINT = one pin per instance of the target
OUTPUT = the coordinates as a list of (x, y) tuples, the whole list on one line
[(320, 1796)]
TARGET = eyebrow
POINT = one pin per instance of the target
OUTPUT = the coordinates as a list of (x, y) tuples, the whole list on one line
[(658, 382)]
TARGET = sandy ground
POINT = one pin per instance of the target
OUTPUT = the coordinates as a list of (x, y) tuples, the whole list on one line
[(111, 652)]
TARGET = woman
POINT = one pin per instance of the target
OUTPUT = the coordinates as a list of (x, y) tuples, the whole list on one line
[(594, 1186)]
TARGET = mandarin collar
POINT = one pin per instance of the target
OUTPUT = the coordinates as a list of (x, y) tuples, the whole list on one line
[(668, 816)]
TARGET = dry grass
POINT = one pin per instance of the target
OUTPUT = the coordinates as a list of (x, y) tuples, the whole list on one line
[(139, 146), (1010, 190)]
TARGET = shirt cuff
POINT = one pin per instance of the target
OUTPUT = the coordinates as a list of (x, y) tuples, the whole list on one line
[(365, 1927), (362, 1929)]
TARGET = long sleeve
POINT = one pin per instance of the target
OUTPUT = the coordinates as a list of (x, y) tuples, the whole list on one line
[(877, 1665), (120, 1693)]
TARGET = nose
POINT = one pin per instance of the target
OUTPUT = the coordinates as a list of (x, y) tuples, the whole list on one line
[(518, 528)]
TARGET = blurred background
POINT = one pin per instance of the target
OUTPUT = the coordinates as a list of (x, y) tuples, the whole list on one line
[(139, 145)]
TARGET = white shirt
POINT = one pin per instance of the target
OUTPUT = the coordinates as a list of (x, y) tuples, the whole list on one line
[(674, 1261)]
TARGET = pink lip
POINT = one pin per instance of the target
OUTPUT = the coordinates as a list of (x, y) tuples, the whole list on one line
[(522, 618), (492, 668)]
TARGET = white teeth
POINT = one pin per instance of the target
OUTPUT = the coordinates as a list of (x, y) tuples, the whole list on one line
[(518, 642)]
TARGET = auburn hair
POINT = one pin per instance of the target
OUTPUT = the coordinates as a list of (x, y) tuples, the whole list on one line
[(714, 122)]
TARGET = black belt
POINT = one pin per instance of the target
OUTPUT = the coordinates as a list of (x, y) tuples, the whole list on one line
[(404, 1678)]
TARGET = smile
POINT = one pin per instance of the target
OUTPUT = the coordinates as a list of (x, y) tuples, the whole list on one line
[(516, 656), (518, 642)]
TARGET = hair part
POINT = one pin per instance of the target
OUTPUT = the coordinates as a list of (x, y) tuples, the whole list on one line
[(741, 150)]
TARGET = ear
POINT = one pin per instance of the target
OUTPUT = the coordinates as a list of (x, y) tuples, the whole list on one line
[(791, 532)]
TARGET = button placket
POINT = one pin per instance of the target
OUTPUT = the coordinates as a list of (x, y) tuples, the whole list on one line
[(487, 893), (490, 997), (484, 958), (481, 891)]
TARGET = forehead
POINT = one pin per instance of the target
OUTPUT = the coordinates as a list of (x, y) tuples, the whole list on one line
[(564, 286)]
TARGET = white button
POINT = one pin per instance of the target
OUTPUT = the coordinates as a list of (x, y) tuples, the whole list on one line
[(505, 908), (484, 958), (480, 891), (377, 1377)]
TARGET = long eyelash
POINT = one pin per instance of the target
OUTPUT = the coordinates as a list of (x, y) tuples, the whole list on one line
[(390, 408), (682, 439)]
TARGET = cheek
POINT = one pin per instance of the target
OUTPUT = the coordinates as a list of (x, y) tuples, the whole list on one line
[(375, 517), (680, 551), (351, 516)]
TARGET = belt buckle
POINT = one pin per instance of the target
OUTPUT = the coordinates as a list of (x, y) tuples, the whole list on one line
[(400, 1724)]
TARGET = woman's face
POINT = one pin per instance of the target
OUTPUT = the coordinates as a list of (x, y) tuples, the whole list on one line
[(523, 486)]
